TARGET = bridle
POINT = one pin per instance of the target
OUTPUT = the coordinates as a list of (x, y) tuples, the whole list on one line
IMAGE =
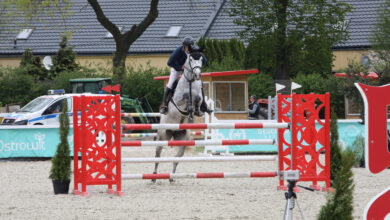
[(192, 69)]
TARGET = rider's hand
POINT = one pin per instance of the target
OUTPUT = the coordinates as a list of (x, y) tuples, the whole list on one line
[(182, 67)]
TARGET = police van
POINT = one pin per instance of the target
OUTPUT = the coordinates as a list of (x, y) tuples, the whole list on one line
[(44, 110)]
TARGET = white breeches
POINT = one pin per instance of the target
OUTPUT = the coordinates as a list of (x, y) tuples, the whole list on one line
[(173, 77)]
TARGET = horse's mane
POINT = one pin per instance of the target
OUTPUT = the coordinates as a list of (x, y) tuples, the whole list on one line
[(196, 55)]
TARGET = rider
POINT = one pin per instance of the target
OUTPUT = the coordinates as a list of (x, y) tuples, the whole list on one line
[(176, 62)]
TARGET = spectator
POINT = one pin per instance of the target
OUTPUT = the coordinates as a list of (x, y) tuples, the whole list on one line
[(254, 108)]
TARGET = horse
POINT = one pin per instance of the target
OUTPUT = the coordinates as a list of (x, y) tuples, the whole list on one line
[(184, 104)]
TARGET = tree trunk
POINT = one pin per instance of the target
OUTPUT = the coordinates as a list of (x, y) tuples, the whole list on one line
[(282, 56), (125, 40), (119, 59)]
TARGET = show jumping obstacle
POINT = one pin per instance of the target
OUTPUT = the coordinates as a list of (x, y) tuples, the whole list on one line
[(101, 160)]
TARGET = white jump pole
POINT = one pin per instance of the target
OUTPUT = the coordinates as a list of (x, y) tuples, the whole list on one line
[(200, 175), (152, 114), (196, 159), (198, 142), (204, 126)]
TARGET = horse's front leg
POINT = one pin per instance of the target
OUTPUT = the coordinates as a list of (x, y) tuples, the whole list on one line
[(186, 97), (197, 101), (158, 154)]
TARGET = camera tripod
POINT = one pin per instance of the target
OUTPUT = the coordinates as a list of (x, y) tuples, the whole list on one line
[(291, 199)]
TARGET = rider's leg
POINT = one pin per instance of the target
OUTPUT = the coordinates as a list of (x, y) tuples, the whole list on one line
[(203, 106), (168, 93)]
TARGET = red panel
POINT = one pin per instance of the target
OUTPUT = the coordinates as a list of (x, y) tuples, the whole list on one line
[(100, 141), (156, 176), (209, 175), (376, 101), (305, 136), (248, 125)]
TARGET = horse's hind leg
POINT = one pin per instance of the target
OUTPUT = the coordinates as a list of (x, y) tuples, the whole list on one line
[(179, 135), (180, 153), (158, 154)]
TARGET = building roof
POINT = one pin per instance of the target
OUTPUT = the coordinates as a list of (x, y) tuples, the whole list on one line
[(208, 18)]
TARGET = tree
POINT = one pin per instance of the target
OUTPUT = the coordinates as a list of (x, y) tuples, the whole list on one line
[(64, 60), (33, 65), (335, 150), (291, 29), (381, 43), (30, 11), (61, 162), (340, 203), (125, 40)]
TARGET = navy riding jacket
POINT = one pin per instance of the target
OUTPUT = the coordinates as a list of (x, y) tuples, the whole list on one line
[(179, 57)]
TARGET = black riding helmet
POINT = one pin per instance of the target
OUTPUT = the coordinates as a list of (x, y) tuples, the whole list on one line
[(188, 41)]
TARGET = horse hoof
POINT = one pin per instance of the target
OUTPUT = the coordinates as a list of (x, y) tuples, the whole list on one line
[(154, 181), (171, 180)]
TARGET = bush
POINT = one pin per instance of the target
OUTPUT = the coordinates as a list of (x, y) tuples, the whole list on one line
[(17, 87), (262, 85), (139, 83), (61, 169), (358, 149), (340, 204)]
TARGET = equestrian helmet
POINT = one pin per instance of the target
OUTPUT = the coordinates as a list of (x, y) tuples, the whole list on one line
[(188, 41)]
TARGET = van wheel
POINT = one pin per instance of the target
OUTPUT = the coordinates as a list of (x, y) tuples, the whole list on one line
[(38, 124)]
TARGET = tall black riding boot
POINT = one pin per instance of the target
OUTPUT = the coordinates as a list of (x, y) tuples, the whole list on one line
[(203, 106), (167, 97)]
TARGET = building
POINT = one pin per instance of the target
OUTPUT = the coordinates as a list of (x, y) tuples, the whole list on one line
[(207, 18)]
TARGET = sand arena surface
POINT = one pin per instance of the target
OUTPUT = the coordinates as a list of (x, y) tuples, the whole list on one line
[(27, 193)]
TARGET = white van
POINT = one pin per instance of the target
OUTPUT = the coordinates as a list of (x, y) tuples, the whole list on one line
[(44, 110)]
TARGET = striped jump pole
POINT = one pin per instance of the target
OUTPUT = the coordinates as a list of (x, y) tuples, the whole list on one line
[(198, 142), (152, 114), (139, 135), (203, 126), (196, 159), (200, 175)]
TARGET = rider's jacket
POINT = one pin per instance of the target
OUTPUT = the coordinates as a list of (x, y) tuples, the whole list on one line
[(179, 57)]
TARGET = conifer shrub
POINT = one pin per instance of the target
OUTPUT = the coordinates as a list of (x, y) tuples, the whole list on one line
[(61, 162)]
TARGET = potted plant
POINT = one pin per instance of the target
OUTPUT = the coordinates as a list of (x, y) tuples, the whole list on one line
[(61, 162)]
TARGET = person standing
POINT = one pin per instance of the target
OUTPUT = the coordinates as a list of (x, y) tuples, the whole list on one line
[(254, 108)]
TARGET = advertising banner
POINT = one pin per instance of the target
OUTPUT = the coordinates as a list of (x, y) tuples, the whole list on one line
[(30, 141), (348, 131)]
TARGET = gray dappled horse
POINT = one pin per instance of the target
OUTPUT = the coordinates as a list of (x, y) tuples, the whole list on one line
[(183, 105)]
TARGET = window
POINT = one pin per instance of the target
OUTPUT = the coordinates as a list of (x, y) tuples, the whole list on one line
[(109, 35), (173, 31), (353, 107), (24, 34), (229, 96)]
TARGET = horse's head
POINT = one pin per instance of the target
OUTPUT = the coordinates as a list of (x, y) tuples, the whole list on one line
[(194, 63)]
